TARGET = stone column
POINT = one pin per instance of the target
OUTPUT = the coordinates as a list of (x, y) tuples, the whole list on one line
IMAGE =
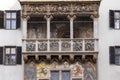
[(71, 18), (48, 19), (24, 27), (95, 27), (95, 24), (24, 31), (95, 30)]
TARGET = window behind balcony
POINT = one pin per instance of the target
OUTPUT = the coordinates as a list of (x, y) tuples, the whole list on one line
[(60, 27), (83, 27)]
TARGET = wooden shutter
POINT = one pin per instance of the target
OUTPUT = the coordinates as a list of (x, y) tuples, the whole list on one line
[(18, 19), (19, 55), (112, 54), (111, 18), (1, 19), (1, 55)]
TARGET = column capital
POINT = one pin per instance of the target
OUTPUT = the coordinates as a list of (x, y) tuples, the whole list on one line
[(71, 16), (48, 17), (94, 15), (25, 17)]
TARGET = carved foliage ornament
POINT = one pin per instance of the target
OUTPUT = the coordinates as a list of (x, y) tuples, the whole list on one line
[(58, 8)]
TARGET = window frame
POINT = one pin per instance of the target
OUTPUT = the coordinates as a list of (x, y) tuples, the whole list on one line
[(60, 73), (10, 55), (112, 19), (10, 19), (117, 54), (16, 21), (113, 55)]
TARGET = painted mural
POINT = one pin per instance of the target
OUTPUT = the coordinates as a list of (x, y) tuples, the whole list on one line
[(30, 71), (80, 30), (83, 30), (90, 71), (77, 70), (36, 31), (60, 31), (42, 70)]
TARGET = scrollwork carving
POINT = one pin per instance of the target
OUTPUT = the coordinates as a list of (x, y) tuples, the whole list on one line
[(54, 46), (30, 46), (66, 45), (89, 45), (77, 46), (42, 46)]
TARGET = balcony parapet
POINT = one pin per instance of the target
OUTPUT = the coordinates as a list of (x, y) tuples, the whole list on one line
[(60, 45)]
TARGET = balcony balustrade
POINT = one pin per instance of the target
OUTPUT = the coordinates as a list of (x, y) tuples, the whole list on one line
[(60, 45)]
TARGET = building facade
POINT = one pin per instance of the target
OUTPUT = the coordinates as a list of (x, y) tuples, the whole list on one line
[(59, 40)]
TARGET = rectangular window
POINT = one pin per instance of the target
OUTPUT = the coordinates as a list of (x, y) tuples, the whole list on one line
[(65, 75), (115, 55), (10, 55), (114, 19), (54, 75), (60, 75), (11, 20)]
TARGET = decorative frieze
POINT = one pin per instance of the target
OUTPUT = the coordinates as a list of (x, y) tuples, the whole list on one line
[(60, 8)]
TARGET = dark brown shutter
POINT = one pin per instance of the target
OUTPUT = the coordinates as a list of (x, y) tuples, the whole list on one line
[(112, 54), (111, 18), (1, 55), (18, 19), (1, 19), (19, 55)]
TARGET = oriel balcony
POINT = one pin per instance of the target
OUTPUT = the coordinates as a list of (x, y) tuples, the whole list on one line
[(60, 35)]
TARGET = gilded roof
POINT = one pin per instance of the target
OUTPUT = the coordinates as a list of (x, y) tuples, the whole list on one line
[(55, 0)]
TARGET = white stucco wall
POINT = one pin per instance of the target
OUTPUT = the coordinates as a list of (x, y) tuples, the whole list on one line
[(10, 37), (107, 37)]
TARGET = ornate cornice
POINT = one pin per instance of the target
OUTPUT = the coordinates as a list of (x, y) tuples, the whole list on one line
[(60, 58), (80, 8)]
